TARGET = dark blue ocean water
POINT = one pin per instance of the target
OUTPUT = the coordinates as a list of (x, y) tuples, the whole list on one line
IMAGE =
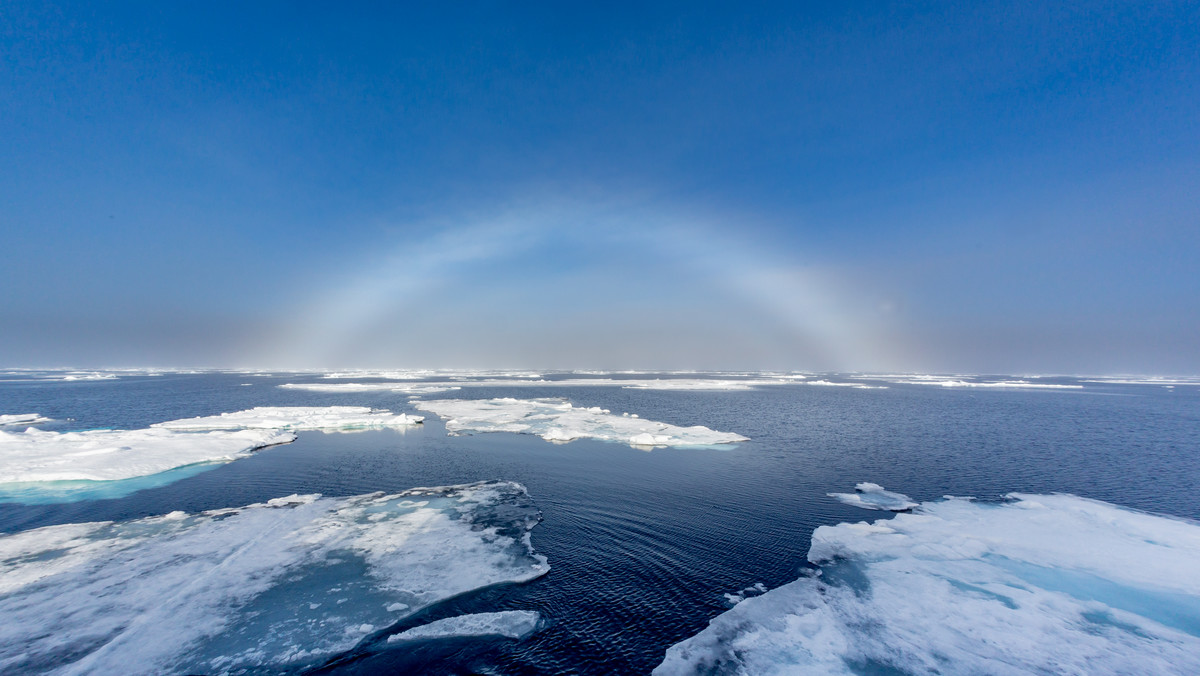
[(644, 544)]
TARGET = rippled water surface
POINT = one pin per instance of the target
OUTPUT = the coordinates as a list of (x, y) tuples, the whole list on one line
[(643, 545)]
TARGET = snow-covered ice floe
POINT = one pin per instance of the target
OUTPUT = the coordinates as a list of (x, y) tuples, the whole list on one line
[(559, 421), (107, 455), (11, 419), (39, 466), (266, 587), (507, 623), (872, 496), (1041, 584), (299, 418), (356, 388)]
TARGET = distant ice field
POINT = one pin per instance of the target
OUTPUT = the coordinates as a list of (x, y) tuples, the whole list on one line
[(664, 542)]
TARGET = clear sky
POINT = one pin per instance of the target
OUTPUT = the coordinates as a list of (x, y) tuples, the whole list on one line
[(973, 187)]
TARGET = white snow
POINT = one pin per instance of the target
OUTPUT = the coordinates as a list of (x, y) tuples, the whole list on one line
[(872, 496), (1043, 584), (559, 421), (251, 588), (325, 418), (508, 623), (107, 455), (22, 419)]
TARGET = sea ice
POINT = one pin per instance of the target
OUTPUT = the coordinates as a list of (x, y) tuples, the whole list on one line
[(298, 418), (872, 496), (534, 380), (961, 382), (1041, 584), (508, 623), (267, 587), (106, 455), (353, 388), (557, 420), (22, 419)]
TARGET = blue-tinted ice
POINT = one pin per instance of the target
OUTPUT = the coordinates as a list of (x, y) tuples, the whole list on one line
[(1042, 584), (278, 585)]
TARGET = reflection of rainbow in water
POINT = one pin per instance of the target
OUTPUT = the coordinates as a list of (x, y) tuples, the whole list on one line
[(811, 307)]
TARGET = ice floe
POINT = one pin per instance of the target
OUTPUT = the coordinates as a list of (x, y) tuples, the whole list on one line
[(964, 382), (1041, 584), (22, 419), (1149, 380), (559, 421), (106, 455), (857, 386), (872, 496), (354, 388), (299, 418), (507, 623), (267, 587)]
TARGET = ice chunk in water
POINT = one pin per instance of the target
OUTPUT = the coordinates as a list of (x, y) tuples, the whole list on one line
[(559, 421), (268, 586), (872, 496), (508, 623), (22, 419), (1042, 584)]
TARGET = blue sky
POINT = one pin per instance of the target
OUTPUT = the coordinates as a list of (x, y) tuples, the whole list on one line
[(920, 186)]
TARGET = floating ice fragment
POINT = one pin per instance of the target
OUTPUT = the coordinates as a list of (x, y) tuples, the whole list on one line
[(1043, 584), (324, 418), (508, 623), (22, 419), (739, 596), (872, 496), (237, 590), (559, 421)]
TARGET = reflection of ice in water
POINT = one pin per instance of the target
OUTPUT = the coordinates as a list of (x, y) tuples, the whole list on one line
[(283, 583), (1038, 585), (558, 421)]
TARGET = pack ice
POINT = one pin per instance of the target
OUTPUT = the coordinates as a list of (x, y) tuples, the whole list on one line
[(269, 587), (559, 421), (1040, 584), (298, 418)]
